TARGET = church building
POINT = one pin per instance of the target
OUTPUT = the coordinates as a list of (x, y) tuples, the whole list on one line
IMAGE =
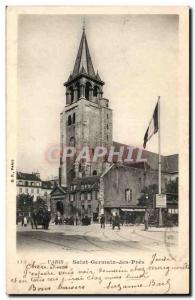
[(91, 188)]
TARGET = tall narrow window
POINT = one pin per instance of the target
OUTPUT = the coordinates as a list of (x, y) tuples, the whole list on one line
[(88, 87), (128, 195), (95, 91), (73, 118), (71, 94), (131, 195), (78, 90), (69, 120)]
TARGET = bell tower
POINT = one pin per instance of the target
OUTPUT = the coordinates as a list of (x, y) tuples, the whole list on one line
[(86, 119), (83, 81)]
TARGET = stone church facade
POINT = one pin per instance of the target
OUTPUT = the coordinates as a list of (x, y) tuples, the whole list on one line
[(95, 188)]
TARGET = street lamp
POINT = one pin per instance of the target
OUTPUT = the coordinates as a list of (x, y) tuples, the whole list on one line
[(147, 200)]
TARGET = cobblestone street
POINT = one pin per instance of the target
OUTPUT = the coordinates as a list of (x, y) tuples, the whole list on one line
[(94, 239)]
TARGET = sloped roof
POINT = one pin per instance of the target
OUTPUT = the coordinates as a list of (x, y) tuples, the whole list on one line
[(90, 181), (172, 163), (98, 76), (27, 176), (47, 184), (62, 190), (169, 163), (85, 180)]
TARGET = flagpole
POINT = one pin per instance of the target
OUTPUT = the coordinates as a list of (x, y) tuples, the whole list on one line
[(159, 162)]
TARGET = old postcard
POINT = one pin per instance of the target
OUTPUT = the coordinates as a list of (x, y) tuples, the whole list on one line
[(98, 150)]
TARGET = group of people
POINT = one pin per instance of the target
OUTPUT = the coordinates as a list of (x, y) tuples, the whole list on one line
[(115, 220), (72, 220), (43, 218), (40, 218)]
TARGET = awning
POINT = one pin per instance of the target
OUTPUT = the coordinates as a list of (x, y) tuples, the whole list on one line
[(133, 209)]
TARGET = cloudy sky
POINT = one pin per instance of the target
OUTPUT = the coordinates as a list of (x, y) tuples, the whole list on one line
[(136, 56)]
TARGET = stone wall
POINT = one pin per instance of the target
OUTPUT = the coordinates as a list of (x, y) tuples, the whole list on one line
[(93, 127), (120, 178)]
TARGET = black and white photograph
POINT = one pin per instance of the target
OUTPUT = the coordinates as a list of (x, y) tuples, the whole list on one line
[(98, 143)]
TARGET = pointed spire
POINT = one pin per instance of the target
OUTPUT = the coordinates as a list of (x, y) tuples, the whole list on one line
[(98, 76), (70, 77), (84, 24), (83, 59)]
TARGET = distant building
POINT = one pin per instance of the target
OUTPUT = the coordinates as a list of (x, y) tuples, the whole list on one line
[(28, 184), (99, 188), (115, 190), (31, 184)]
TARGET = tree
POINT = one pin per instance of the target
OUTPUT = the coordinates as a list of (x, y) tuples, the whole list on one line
[(24, 203), (172, 187), (147, 197), (172, 191), (39, 204)]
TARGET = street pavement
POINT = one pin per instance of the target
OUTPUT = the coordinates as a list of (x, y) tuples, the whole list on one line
[(94, 239)]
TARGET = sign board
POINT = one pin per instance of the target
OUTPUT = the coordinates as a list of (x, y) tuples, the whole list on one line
[(161, 201)]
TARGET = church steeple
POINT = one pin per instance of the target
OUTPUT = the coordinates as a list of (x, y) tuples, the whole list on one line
[(83, 61), (83, 81), (86, 119)]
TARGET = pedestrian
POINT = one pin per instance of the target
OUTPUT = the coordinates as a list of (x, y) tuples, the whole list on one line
[(146, 219), (122, 220), (111, 220), (34, 220), (31, 222), (76, 220), (25, 221), (116, 221), (102, 221)]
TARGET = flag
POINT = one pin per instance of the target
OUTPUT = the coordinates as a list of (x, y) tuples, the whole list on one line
[(153, 126)]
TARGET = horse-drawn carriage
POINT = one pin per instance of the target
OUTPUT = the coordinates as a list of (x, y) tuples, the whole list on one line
[(41, 218)]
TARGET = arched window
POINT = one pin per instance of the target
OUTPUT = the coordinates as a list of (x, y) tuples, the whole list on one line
[(69, 120), (73, 118), (78, 90), (87, 90), (95, 91), (94, 172), (71, 91)]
